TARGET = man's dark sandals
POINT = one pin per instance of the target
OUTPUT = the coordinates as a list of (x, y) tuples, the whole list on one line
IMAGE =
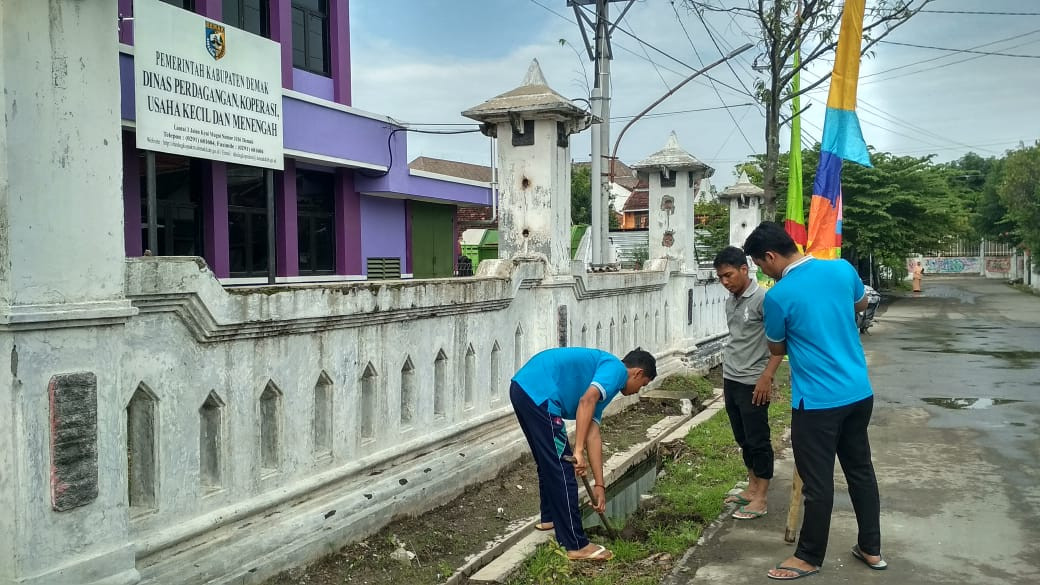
[(798, 573), (881, 565)]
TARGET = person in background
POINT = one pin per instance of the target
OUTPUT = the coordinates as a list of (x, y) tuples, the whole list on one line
[(747, 380), (918, 275)]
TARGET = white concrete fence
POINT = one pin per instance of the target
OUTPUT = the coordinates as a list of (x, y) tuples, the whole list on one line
[(265, 426)]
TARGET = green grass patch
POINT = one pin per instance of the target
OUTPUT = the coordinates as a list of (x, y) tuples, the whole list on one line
[(686, 383), (688, 497)]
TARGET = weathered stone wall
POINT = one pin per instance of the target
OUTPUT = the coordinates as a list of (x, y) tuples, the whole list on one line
[(304, 384)]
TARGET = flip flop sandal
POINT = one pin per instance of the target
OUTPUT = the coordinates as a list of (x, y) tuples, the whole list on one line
[(743, 514), (601, 555), (736, 499), (544, 526), (878, 566), (798, 573)]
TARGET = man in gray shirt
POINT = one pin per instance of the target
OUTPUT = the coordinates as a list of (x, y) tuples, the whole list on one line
[(747, 372)]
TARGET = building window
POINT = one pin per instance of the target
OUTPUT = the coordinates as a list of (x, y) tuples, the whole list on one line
[(248, 15), (310, 27), (316, 222), (177, 196), (185, 4), (667, 179), (247, 221)]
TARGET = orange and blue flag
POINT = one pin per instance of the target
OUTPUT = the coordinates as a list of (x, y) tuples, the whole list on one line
[(842, 138)]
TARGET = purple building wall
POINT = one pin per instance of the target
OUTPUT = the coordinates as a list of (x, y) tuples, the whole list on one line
[(310, 128), (348, 224), (313, 84), (383, 229), (287, 228), (216, 241), (131, 197)]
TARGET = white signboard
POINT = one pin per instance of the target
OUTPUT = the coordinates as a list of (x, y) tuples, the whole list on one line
[(204, 89)]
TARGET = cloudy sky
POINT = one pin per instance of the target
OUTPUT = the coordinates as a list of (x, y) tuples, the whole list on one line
[(424, 61)]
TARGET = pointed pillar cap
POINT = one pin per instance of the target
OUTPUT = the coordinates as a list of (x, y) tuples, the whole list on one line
[(673, 157), (533, 99)]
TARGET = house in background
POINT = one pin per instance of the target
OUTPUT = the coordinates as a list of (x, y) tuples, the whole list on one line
[(340, 207)]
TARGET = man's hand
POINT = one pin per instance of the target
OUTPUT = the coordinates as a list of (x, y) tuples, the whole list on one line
[(763, 390), (580, 467), (599, 498)]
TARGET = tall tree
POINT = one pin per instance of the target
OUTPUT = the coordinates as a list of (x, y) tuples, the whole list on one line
[(1019, 191), (901, 205), (581, 198), (813, 24)]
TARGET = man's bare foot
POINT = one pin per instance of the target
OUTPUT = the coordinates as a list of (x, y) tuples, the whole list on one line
[(792, 568)]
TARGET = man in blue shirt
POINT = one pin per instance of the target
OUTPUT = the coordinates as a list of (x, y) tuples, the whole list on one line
[(810, 315), (573, 383)]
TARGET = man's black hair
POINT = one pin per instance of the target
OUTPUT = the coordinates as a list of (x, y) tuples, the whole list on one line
[(639, 358), (769, 236), (730, 256)]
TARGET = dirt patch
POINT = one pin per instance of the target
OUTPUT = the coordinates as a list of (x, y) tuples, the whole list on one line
[(441, 539)]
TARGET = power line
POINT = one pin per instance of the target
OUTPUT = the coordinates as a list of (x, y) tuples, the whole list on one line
[(1011, 38), (961, 50), (656, 68), (944, 65), (676, 112), (701, 61), (639, 40), (630, 51), (982, 12)]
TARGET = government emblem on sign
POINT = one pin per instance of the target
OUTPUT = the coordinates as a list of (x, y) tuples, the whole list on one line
[(216, 42)]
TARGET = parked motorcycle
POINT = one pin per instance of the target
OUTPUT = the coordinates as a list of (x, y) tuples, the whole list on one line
[(865, 318)]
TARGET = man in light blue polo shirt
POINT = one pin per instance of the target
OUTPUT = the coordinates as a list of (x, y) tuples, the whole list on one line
[(573, 383), (810, 314)]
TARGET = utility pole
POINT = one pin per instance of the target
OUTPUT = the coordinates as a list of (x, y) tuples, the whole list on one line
[(600, 54)]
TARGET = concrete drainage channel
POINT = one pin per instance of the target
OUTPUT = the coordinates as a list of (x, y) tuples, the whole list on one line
[(629, 473)]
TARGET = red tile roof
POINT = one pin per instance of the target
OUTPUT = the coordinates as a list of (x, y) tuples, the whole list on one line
[(452, 168)]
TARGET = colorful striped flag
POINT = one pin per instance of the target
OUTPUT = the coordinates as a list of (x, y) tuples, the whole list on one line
[(794, 218), (842, 137)]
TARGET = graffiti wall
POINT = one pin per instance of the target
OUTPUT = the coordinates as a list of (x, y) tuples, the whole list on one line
[(954, 265), (962, 265), (998, 264)]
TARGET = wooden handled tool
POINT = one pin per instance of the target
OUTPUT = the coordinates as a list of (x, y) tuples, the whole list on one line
[(588, 489)]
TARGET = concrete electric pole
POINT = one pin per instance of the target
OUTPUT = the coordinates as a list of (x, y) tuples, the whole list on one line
[(600, 53)]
